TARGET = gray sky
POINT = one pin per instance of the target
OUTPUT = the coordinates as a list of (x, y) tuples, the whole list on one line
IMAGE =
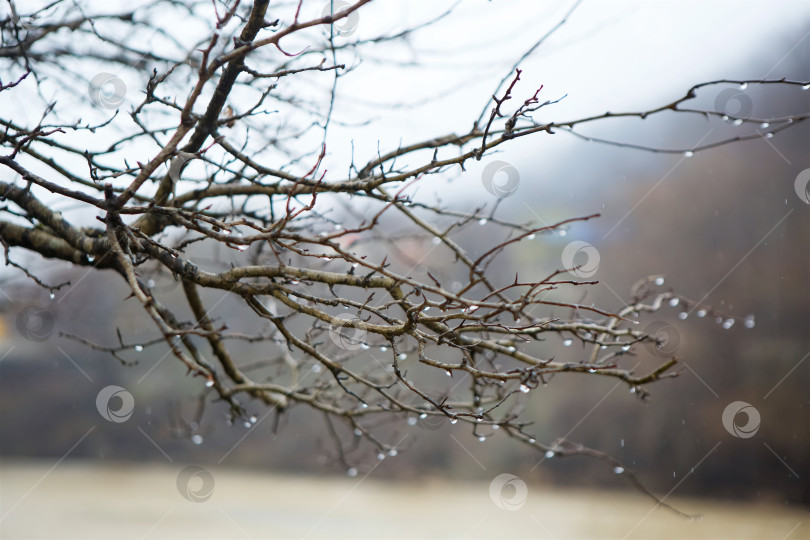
[(610, 55)]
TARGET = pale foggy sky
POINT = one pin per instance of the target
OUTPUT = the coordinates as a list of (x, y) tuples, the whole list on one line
[(610, 55)]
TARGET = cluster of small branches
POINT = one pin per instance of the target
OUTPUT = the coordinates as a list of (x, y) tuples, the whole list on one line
[(358, 325)]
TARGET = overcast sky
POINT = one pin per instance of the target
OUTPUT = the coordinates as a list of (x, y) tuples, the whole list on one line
[(610, 55)]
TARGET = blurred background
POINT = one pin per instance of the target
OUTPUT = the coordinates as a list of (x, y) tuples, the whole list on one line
[(725, 227)]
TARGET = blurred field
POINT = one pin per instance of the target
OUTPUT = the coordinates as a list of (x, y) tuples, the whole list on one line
[(84, 500)]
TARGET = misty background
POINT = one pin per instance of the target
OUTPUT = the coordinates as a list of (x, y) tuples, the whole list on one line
[(724, 226)]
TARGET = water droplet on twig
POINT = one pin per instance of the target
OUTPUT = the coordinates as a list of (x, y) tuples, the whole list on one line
[(749, 321)]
